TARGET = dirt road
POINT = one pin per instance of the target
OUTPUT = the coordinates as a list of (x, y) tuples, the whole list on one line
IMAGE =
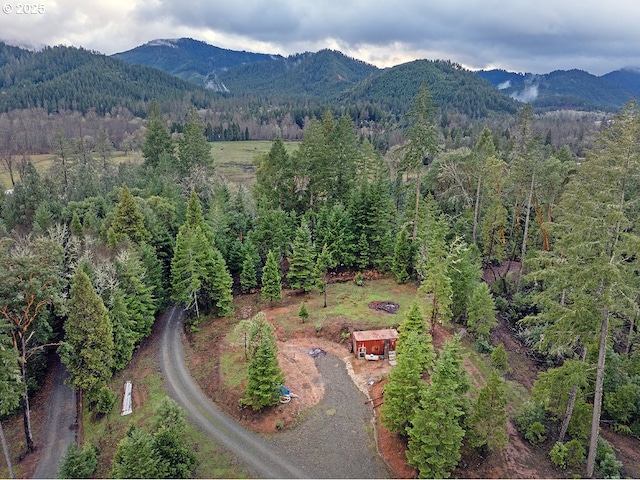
[(253, 450), (60, 431)]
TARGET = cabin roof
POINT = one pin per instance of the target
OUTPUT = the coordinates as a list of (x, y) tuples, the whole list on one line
[(366, 335)]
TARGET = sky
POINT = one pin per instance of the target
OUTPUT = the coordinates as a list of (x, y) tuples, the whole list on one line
[(536, 36)]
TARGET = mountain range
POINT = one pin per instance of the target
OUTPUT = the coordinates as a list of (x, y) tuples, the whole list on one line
[(328, 73), (186, 71)]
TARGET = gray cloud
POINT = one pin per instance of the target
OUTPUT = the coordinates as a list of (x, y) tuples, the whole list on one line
[(536, 36)]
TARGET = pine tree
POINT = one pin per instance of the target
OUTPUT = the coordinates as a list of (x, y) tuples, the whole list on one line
[(193, 148), (303, 313), (323, 263), (402, 257), (436, 433), (482, 310), (124, 333), (405, 385), (88, 345), (136, 457), (488, 420), (76, 226), (363, 255), (157, 141), (138, 296), (248, 279), (414, 323), (264, 375), (301, 263), (271, 282), (127, 221)]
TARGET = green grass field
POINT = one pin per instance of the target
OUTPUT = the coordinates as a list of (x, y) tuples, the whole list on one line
[(233, 161)]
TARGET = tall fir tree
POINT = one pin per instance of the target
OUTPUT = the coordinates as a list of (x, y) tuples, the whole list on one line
[(402, 257), (88, 341), (271, 280), (436, 432), (157, 143), (488, 421), (127, 221), (264, 375), (302, 260), (193, 148), (405, 385)]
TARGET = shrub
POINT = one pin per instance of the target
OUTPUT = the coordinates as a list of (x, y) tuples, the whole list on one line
[(575, 454), (607, 466), (536, 433), (500, 358), (558, 455), (79, 463), (105, 401), (483, 345), (359, 279)]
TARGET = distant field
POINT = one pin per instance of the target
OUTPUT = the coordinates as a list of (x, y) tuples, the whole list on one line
[(234, 161)]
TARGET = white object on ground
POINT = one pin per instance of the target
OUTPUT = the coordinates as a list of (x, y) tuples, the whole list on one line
[(126, 401)]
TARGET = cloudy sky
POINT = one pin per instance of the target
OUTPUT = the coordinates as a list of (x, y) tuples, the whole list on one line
[(536, 36)]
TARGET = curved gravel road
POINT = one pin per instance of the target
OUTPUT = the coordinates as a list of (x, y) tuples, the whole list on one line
[(252, 449)]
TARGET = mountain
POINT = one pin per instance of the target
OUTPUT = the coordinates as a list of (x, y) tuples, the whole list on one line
[(452, 87), (327, 77), (567, 89), (69, 78), (628, 78), (192, 60), (322, 76)]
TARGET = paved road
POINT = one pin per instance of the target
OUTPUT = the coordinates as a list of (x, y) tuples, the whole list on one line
[(252, 449), (60, 432)]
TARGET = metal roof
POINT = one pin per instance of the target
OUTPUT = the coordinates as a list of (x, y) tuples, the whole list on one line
[(365, 335)]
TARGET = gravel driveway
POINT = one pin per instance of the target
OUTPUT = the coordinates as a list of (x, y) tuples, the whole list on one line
[(335, 439)]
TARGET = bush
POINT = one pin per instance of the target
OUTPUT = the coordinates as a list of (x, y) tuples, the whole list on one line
[(536, 433), (483, 345), (500, 358), (105, 401), (558, 455), (530, 419), (79, 463), (575, 453), (607, 466)]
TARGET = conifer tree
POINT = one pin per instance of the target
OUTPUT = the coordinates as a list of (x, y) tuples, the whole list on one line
[(248, 280), (136, 457), (301, 263), (402, 257), (264, 375), (363, 255), (405, 385), (414, 323), (193, 148), (157, 141), (10, 386), (127, 221), (303, 313), (482, 310), (488, 420), (88, 345), (436, 433), (124, 333), (76, 226), (271, 282), (137, 295)]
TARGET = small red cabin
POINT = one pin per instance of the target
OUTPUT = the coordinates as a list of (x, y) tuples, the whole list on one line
[(374, 342)]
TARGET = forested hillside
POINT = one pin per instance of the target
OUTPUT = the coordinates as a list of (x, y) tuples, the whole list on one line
[(191, 60), (67, 78), (567, 89)]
